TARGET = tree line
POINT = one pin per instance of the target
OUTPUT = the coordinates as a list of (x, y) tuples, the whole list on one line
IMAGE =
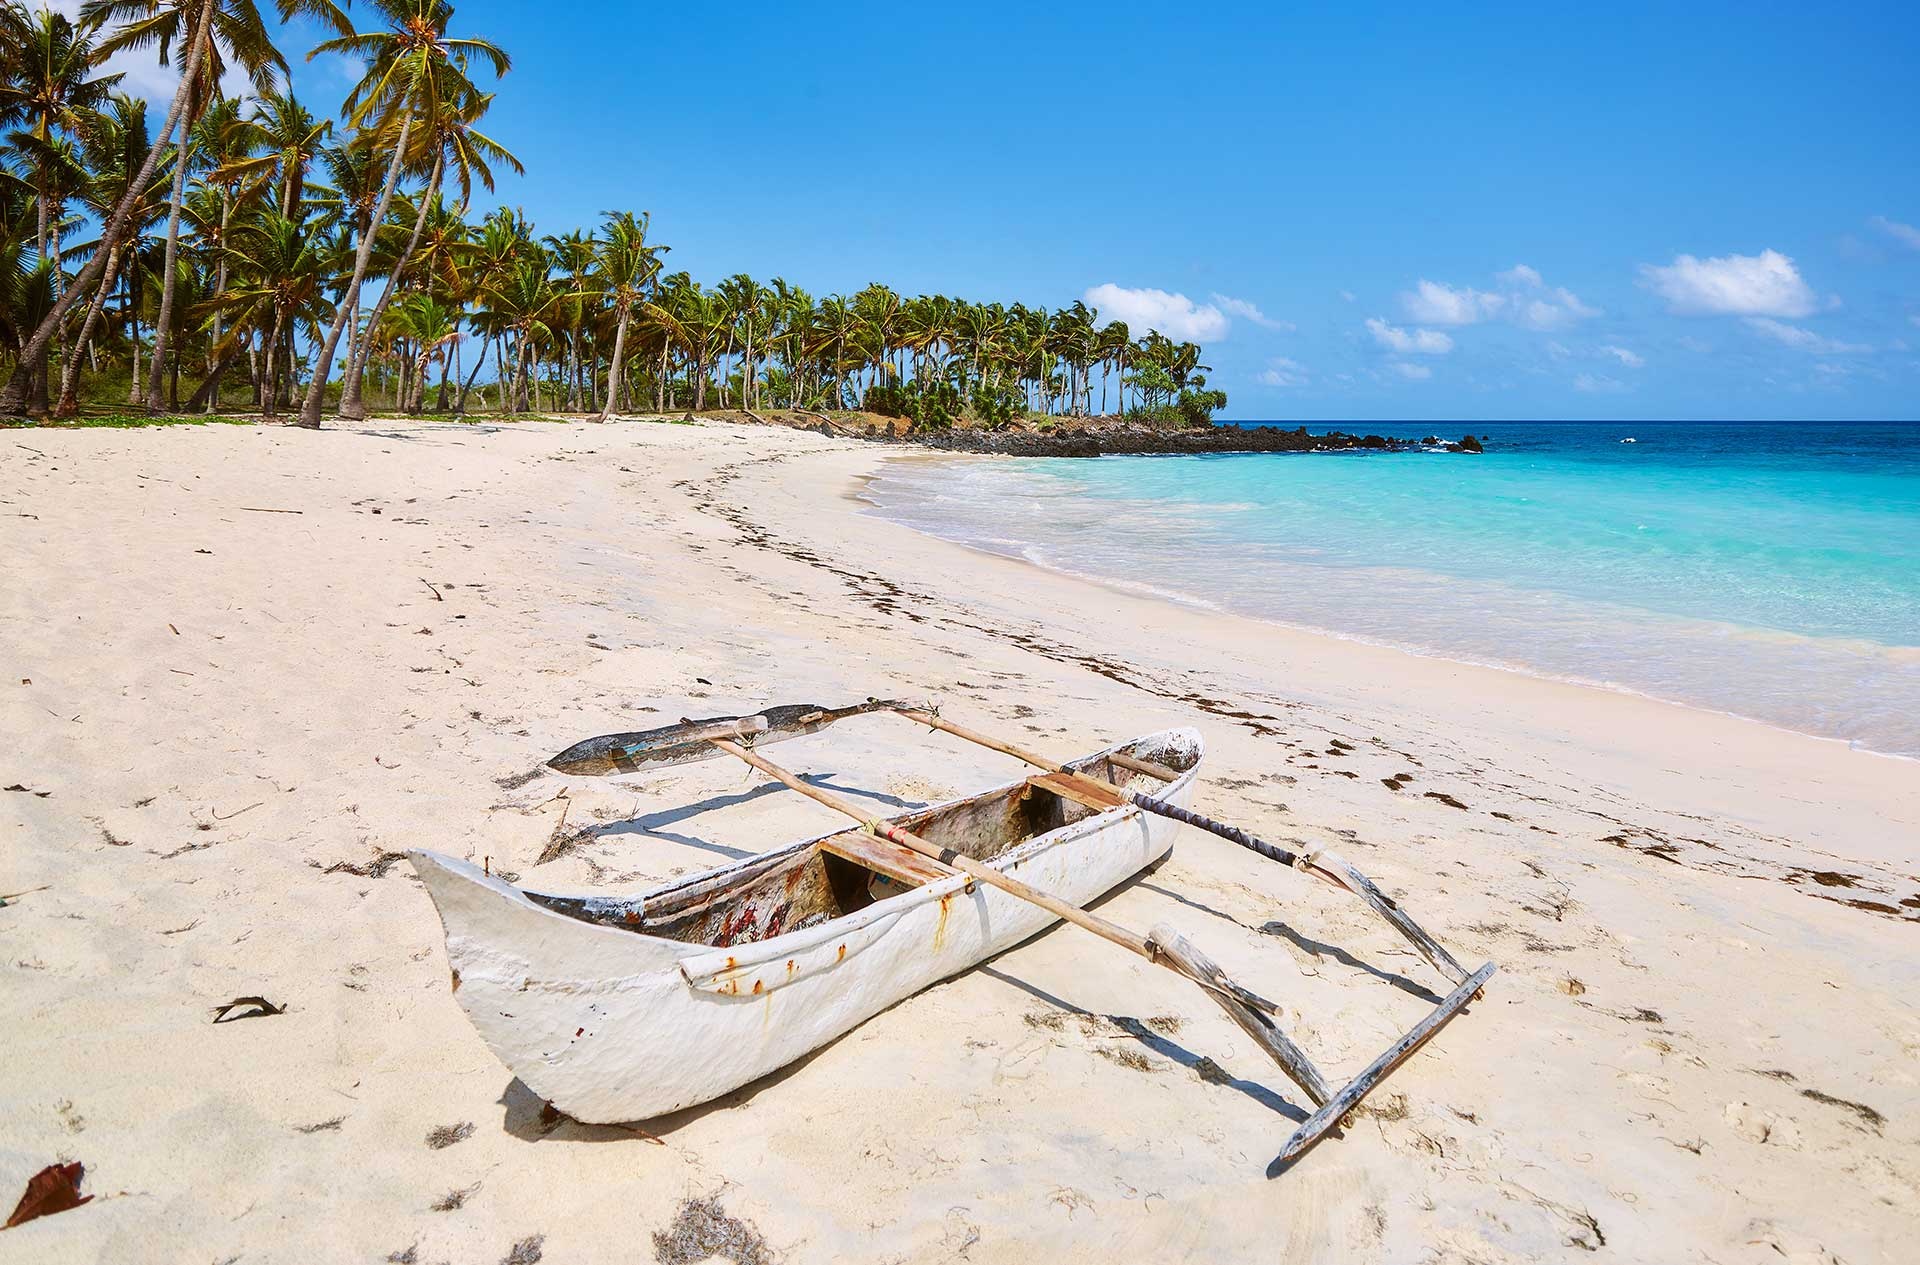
[(249, 249)]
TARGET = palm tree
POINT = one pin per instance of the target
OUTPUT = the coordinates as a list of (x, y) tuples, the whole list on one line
[(623, 267), (53, 90), (279, 269), (446, 139), (573, 255), (57, 94), (433, 327), (1114, 344), (838, 327), (275, 147), (745, 302), (205, 26), (415, 72), (148, 24), (113, 151), (519, 306), (497, 249)]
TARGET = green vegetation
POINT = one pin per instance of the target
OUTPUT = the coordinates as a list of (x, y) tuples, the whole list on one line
[(235, 269)]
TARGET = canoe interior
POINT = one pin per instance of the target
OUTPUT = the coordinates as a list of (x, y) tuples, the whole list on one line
[(802, 886)]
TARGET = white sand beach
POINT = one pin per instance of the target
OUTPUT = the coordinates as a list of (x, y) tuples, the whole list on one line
[(242, 669)]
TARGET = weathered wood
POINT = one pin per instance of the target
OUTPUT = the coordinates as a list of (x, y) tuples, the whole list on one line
[(1200, 821), (1363, 887), (1147, 767), (1098, 796), (885, 857), (620, 1027), (1347, 1099), (611, 754), (1326, 865), (946, 856), (1005, 748), (686, 742), (1197, 965), (1214, 983)]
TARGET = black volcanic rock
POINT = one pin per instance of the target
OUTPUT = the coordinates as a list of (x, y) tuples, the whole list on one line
[(1097, 440)]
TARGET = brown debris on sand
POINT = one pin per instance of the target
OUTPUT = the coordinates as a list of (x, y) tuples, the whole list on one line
[(55, 1188), (257, 1008), (447, 1134), (703, 1231), (525, 1252)]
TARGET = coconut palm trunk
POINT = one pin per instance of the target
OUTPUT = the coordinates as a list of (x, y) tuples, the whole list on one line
[(269, 397), (219, 287), (351, 406), (163, 328), (136, 385), (69, 403), (614, 386), (323, 367), (479, 362), (13, 397)]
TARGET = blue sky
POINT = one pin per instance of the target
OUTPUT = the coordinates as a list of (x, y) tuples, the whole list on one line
[(1429, 212)]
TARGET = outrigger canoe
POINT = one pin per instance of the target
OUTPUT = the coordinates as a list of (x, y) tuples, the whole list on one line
[(619, 1008)]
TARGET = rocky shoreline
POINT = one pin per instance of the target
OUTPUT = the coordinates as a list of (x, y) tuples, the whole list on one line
[(1097, 438), (1095, 441)]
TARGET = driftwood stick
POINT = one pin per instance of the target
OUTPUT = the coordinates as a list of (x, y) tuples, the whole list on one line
[(1340, 1104), (1363, 887), (1291, 1058)]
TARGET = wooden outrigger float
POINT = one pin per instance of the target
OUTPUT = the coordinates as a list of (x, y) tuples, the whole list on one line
[(622, 1008)]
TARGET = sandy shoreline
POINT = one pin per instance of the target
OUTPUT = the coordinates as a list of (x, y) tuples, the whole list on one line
[(1703, 1044), (862, 494)]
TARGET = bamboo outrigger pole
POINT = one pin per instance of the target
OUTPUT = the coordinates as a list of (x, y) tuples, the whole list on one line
[(1322, 865), (1063, 780)]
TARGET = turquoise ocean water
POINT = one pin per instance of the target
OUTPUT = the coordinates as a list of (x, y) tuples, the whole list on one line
[(1770, 570)]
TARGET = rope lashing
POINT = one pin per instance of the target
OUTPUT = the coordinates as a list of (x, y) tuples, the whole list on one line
[(1203, 822)]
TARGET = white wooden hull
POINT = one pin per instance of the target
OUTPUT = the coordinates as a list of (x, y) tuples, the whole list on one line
[(610, 1025)]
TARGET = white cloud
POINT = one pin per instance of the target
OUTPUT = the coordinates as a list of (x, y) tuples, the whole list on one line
[(1766, 284), (1413, 373), (1557, 308), (1523, 297), (1174, 315), (1282, 372), (1906, 234), (1438, 304), (1598, 384), (1558, 350), (1348, 295), (1242, 308), (1631, 359), (1802, 339), (1420, 342)]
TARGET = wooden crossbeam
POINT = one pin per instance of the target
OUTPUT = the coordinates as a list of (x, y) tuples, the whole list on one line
[(883, 856), (1098, 796)]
